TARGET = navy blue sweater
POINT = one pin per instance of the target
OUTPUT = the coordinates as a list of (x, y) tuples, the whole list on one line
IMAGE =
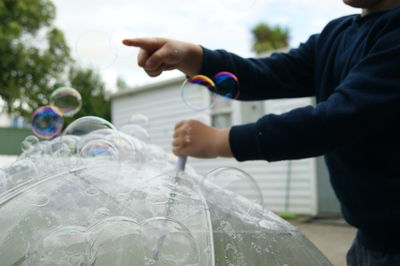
[(353, 69)]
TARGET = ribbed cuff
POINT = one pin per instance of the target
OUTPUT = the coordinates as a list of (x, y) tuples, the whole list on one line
[(211, 62), (244, 142)]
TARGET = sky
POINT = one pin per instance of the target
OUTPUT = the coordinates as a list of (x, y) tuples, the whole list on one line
[(94, 29)]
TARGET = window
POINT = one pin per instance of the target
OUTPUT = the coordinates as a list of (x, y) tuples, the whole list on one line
[(221, 113)]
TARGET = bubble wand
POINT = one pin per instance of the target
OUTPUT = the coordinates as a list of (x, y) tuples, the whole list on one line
[(179, 168)]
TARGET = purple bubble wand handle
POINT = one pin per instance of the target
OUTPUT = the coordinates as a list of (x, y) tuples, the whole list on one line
[(181, 163), (180, 168)]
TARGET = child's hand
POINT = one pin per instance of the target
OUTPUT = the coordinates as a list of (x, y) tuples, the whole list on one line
[(157, 55), (193, 138)]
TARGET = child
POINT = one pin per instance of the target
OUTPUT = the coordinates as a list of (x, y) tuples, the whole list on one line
[(353, 69)]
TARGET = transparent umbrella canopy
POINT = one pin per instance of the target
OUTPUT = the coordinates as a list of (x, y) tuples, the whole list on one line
[(86, 200)]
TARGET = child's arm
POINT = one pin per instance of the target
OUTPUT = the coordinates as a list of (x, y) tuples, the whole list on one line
[(283, 75)]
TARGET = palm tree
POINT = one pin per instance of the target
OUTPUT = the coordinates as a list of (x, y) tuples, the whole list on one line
[(267, 38)]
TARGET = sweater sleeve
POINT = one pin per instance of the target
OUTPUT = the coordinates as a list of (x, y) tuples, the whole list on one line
[(281, 75), (362, 105)]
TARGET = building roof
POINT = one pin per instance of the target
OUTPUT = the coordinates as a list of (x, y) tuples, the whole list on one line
[(152, 86)]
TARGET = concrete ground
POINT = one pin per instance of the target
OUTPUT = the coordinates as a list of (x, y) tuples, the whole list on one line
[(332, 236)]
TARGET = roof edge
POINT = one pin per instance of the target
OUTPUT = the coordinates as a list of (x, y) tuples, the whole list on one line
[(151, 86)]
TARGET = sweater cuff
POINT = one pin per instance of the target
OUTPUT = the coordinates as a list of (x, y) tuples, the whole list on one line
[(244, 143), (211, 61)]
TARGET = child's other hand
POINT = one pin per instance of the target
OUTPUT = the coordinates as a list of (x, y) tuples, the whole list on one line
[(158, 54), (193, 138)]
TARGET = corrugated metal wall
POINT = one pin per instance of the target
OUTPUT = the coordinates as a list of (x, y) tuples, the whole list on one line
[(164, 108)]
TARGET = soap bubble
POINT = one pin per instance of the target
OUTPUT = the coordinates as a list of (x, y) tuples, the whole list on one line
[(197, 92), (64, 246), (168, 242), (238, 5), (236, 180), (116, 38), (68, 100), (90, 45), (100, 149), (139, 119), (87, 124), (116, 241), (64, 146), (47, 122), (227, 85), (136, 131), (29, 142), (20, 172), (40, 200), (57, 208), (128, 149)]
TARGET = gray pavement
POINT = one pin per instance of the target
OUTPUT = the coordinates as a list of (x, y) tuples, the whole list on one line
[(332, 236)]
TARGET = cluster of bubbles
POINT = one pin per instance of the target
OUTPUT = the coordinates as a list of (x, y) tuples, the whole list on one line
[(48, 121), (200, 92), (98, 195)]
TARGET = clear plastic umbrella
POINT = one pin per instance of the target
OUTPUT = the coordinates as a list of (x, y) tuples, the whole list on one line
[(85, 200)]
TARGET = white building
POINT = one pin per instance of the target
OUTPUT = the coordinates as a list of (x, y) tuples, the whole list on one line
[(309, 189)]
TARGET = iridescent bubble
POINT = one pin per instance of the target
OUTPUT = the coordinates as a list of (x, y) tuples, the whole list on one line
[(168, 242), (237, 181), (29, 142), (87, 124), (126, 147), (227, 85), (197, 92), (96, 134), (99, 148), (68, 100), (47, 122)]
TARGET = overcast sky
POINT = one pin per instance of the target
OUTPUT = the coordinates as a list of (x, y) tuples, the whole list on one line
[(95, 28)]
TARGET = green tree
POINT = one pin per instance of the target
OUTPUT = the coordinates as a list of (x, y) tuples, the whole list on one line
[(92, 89), (35, 60), (267, 38), (33, 54)]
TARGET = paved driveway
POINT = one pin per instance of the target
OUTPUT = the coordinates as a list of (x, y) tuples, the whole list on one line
[(332, 237)]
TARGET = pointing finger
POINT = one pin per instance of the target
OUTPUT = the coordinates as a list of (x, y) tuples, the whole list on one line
[(145, 43)]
